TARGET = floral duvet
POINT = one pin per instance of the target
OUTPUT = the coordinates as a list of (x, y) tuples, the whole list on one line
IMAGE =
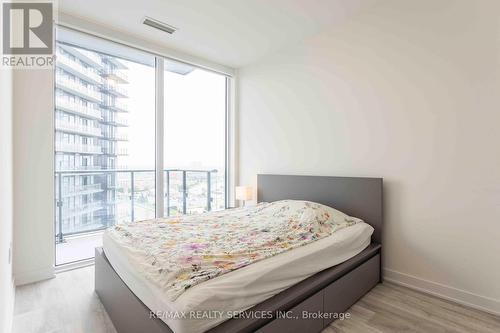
[(181, 252)]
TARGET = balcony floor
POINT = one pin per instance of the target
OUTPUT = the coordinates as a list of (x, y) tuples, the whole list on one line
[(77, 247)]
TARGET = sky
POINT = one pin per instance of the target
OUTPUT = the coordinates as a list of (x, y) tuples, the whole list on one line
[(194, 126)]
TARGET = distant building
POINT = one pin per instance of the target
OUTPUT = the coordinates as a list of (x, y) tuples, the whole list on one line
[(90, 127)]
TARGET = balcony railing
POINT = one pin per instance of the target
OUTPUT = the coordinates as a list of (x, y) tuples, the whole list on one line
[(65, 166), (89, 57), (77, 148), (115, 151), (121, 105), (116, 121), (78, 88), (117, 106), (118, 136), (115, 74), (82, 209), (78, 128), (92, 56), (69, 106), (131, 195), (115, 62), (115, 89), (80, 189), (78, 69)]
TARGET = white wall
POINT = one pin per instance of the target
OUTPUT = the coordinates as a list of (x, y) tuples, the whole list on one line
[(6, 202), (33, 175), (408, 91)]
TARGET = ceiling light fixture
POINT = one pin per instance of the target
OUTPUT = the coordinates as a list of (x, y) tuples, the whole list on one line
[(158, 25)]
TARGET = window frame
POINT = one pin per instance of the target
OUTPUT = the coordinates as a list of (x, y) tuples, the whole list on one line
[(229, 148)]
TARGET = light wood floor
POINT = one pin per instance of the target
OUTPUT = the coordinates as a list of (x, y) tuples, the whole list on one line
[(67, 304)]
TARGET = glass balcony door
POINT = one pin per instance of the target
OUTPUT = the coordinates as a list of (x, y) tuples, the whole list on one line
[(194, 148), (111, 153), (105, 148)]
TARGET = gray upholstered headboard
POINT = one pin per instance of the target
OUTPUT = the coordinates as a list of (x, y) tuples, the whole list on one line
[(358, 197)]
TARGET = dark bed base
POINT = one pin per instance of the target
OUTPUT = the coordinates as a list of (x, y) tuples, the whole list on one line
[(333, 290)]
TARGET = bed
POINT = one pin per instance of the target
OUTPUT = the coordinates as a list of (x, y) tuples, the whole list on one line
[(349, 265)]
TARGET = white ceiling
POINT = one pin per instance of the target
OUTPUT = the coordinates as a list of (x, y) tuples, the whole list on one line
[(229, 32)]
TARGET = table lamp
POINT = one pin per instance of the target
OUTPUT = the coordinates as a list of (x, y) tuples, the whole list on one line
[(244, 193)]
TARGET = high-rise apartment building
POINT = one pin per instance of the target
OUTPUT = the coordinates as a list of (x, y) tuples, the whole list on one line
[(90, 132), (105, 150)]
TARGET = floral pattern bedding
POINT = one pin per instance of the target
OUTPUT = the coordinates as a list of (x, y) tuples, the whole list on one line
[(181, 252)]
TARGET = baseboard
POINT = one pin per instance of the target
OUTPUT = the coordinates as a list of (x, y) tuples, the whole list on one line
[(456, 295), (34, 276)]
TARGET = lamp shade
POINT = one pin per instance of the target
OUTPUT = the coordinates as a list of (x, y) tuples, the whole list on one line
[(243, 193)]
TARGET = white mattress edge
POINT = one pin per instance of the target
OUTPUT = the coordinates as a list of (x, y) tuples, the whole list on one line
[(246, 286)]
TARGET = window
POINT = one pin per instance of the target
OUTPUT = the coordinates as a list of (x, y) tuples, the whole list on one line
[(89, 199), (194, 139), (106, 168)]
